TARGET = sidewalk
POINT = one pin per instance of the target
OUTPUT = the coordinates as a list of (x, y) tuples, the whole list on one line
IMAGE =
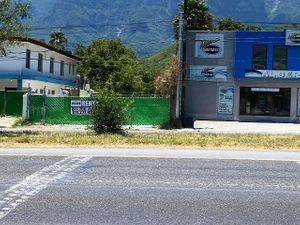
[(200, 126), (204, 126)]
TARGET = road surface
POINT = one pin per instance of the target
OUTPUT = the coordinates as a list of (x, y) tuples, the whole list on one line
[(44, 190)]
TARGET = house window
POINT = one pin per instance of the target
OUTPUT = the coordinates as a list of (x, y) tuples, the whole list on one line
[(280, 57), (259, 57), (52, 65), (70, 68), (74, 70), (62, 68), (53, 92), (40, 62), (28, 55)]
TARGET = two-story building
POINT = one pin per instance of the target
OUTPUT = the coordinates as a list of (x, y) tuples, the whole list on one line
[(243, 75), (33, 63)]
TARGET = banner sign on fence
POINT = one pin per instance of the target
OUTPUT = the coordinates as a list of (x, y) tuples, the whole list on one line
[(81, 107)]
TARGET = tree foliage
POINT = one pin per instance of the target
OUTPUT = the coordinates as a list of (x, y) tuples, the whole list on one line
[(108, 63), (166, 82), (12, 14), (109, 114), (58, 40), (198, 16), (230, 24)]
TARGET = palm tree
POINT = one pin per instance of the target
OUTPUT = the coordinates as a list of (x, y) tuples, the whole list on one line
[(58, 40)]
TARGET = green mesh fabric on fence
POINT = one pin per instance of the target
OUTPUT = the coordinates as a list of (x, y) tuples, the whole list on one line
[(148, 111), (2, 103), (14, 103), (58, 111), (11, 103), (36, 103), (142, 110)]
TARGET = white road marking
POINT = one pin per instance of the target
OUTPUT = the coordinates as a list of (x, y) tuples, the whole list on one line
[(33, 184)]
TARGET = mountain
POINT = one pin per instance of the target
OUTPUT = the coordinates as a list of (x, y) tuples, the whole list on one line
[(144, 25)]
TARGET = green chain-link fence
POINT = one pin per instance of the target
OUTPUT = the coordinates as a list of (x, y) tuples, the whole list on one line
[(64, 110), (11, 103)]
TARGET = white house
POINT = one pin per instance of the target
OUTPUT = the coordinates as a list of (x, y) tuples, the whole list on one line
[(34, 63)]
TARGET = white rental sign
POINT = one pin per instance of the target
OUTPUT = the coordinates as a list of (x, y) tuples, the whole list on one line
[(226, 96), (292, 37), (209, 45), (276, 74), (81, 107), (208, 73)]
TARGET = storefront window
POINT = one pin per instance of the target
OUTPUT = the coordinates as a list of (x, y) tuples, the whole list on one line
[(265, 101), (279, 57), (259, 57)]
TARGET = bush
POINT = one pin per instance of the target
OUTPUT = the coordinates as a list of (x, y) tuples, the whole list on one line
[(109, 114)]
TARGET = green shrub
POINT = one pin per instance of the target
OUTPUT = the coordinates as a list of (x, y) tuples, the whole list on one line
[(109, 114)]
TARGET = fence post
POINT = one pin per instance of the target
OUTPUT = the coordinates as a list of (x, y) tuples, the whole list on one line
[(44, 107), (28, 103)]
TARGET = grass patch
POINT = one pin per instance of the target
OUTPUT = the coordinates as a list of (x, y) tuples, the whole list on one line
[(191, 140)]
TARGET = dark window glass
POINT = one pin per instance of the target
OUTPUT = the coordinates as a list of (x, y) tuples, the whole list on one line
[(51, 65), (280, 58), (265, 101), (28, 55), (70, 68), (62, 68), (74, 70), (259, 57), (40, 63)]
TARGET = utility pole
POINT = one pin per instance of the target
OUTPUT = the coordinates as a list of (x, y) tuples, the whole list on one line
[(180, 69), (181, 64)]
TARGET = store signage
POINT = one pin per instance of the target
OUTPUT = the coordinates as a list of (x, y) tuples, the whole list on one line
[(208, 73), (275, 74), (265, 90), (81, 107), (209, 45), (292, 37), (226, 96)]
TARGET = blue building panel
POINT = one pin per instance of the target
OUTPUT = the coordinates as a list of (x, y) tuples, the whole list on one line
[(246, 40)]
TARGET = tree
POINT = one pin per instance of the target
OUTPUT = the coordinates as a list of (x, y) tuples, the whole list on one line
[(198, 16), (230, 24), (12, 14), (58, 40), (166, 81), (109, 113), (109, 64)]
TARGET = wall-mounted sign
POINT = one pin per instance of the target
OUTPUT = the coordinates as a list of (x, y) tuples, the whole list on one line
[(276, 90), (292, 37), (275, 74), (209, 45), (226, 96), (208, 73), (81, 107)]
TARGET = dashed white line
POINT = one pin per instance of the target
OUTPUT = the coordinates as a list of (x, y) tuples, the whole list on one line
[(33, 184)]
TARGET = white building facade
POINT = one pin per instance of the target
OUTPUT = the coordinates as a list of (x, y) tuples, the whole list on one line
[(38, 65)]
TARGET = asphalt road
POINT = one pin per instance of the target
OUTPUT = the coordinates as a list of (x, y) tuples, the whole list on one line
[(111, 190)]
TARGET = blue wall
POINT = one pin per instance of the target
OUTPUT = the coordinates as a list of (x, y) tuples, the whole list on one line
[(244, 45)]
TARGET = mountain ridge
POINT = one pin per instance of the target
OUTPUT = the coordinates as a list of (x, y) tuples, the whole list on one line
[(133, 20)]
